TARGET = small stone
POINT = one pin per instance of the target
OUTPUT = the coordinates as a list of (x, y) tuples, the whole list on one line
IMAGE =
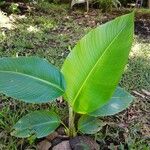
[(83, 142), (62, 146), (44, 145)]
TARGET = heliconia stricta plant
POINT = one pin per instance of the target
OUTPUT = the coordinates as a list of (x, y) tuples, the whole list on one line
[(88, 81)]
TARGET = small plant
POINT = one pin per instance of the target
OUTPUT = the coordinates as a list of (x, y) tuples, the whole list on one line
[(106, 5), (88, 81), (14, 8)]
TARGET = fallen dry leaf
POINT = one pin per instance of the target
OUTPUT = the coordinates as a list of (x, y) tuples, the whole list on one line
[(52, 136), (139, 94)]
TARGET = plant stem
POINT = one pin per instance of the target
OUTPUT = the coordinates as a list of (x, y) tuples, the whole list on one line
[(72, 130)]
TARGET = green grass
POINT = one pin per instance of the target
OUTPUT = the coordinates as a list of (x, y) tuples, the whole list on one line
[(143, 10), (137, 73), (49, 31)]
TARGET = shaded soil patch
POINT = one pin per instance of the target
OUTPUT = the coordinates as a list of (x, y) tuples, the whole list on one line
[(142, 25)]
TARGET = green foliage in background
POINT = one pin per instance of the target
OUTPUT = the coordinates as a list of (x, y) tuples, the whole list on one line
[(106, 5)]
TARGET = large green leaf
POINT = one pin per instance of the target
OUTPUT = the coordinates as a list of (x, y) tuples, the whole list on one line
[(89, 125), (119, 101), (30, 79), (95, 65), (38, 123)]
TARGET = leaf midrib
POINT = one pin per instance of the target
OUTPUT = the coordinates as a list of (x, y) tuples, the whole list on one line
[(33, 77), (96, 65)]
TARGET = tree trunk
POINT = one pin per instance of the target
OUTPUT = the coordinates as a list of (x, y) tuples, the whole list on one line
[(148, 3)]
